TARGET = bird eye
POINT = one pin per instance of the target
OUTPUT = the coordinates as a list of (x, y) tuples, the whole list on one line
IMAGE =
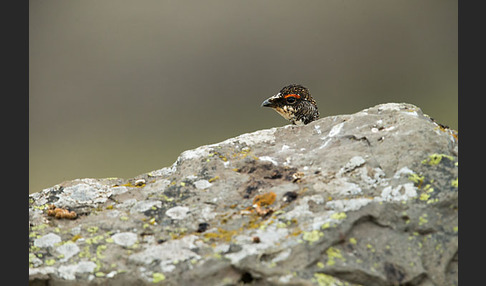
[(291, 99)]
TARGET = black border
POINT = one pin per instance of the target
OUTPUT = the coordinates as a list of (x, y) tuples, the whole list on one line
[(471, 74), (15, 135)]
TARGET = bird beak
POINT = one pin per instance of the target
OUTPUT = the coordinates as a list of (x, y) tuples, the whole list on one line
[(269, 102)]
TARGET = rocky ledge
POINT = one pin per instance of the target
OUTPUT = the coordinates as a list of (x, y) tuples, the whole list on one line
[(369, 198)]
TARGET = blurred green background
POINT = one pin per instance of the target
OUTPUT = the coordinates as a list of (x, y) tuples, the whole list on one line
[(120, 88)]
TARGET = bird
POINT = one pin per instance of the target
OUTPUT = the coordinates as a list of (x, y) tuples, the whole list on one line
[(295, 104)]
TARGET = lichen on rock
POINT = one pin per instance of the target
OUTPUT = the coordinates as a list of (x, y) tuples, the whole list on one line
[(369, 198)]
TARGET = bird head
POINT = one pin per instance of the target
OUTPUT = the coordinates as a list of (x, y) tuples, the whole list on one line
[(295, 104)]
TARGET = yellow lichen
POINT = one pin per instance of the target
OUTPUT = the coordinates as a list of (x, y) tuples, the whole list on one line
[(332, 255), (326, 225), (424, 197), (92, 229), (327, 280), (432, 201), (94, 239), (312, 236), (340, 215), (225, 235), (416, 179), (281, 225), (295, 232), (455, 183), (213, 179), (435, 159), (99, 251)]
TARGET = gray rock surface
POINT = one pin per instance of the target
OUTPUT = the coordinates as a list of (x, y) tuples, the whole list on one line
[(369, 198)]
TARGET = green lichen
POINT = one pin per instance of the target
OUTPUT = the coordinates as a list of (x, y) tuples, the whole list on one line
[(85, 252), (98, 263), (92, 229), (423, 219), (332, 255), (157, 277), (312, 236), (50, 262), (326, 225), (281, 225), (95, 239), (455, 183), (324, 279), (424, 197), (99, 251), (435, 159), (428, 188), (338, 216), (31, 257), (416, 179), (39, 227), (352, 240), (41, 207), (432, 201)]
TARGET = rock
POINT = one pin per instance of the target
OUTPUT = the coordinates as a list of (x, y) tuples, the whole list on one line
[(177, 212), (47, 240), (67, 250), (125, 239), (369, 198)]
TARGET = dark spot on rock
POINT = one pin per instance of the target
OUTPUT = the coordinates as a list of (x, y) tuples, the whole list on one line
[(275, 174), (53, 195), (246, 278), (250, 188), (157, 213), (202, 227), (289, 197), (393, 273)]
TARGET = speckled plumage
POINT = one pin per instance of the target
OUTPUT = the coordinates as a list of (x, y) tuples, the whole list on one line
[(295, 104)]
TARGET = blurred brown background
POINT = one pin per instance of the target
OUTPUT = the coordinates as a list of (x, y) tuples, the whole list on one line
[(120, 88)]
